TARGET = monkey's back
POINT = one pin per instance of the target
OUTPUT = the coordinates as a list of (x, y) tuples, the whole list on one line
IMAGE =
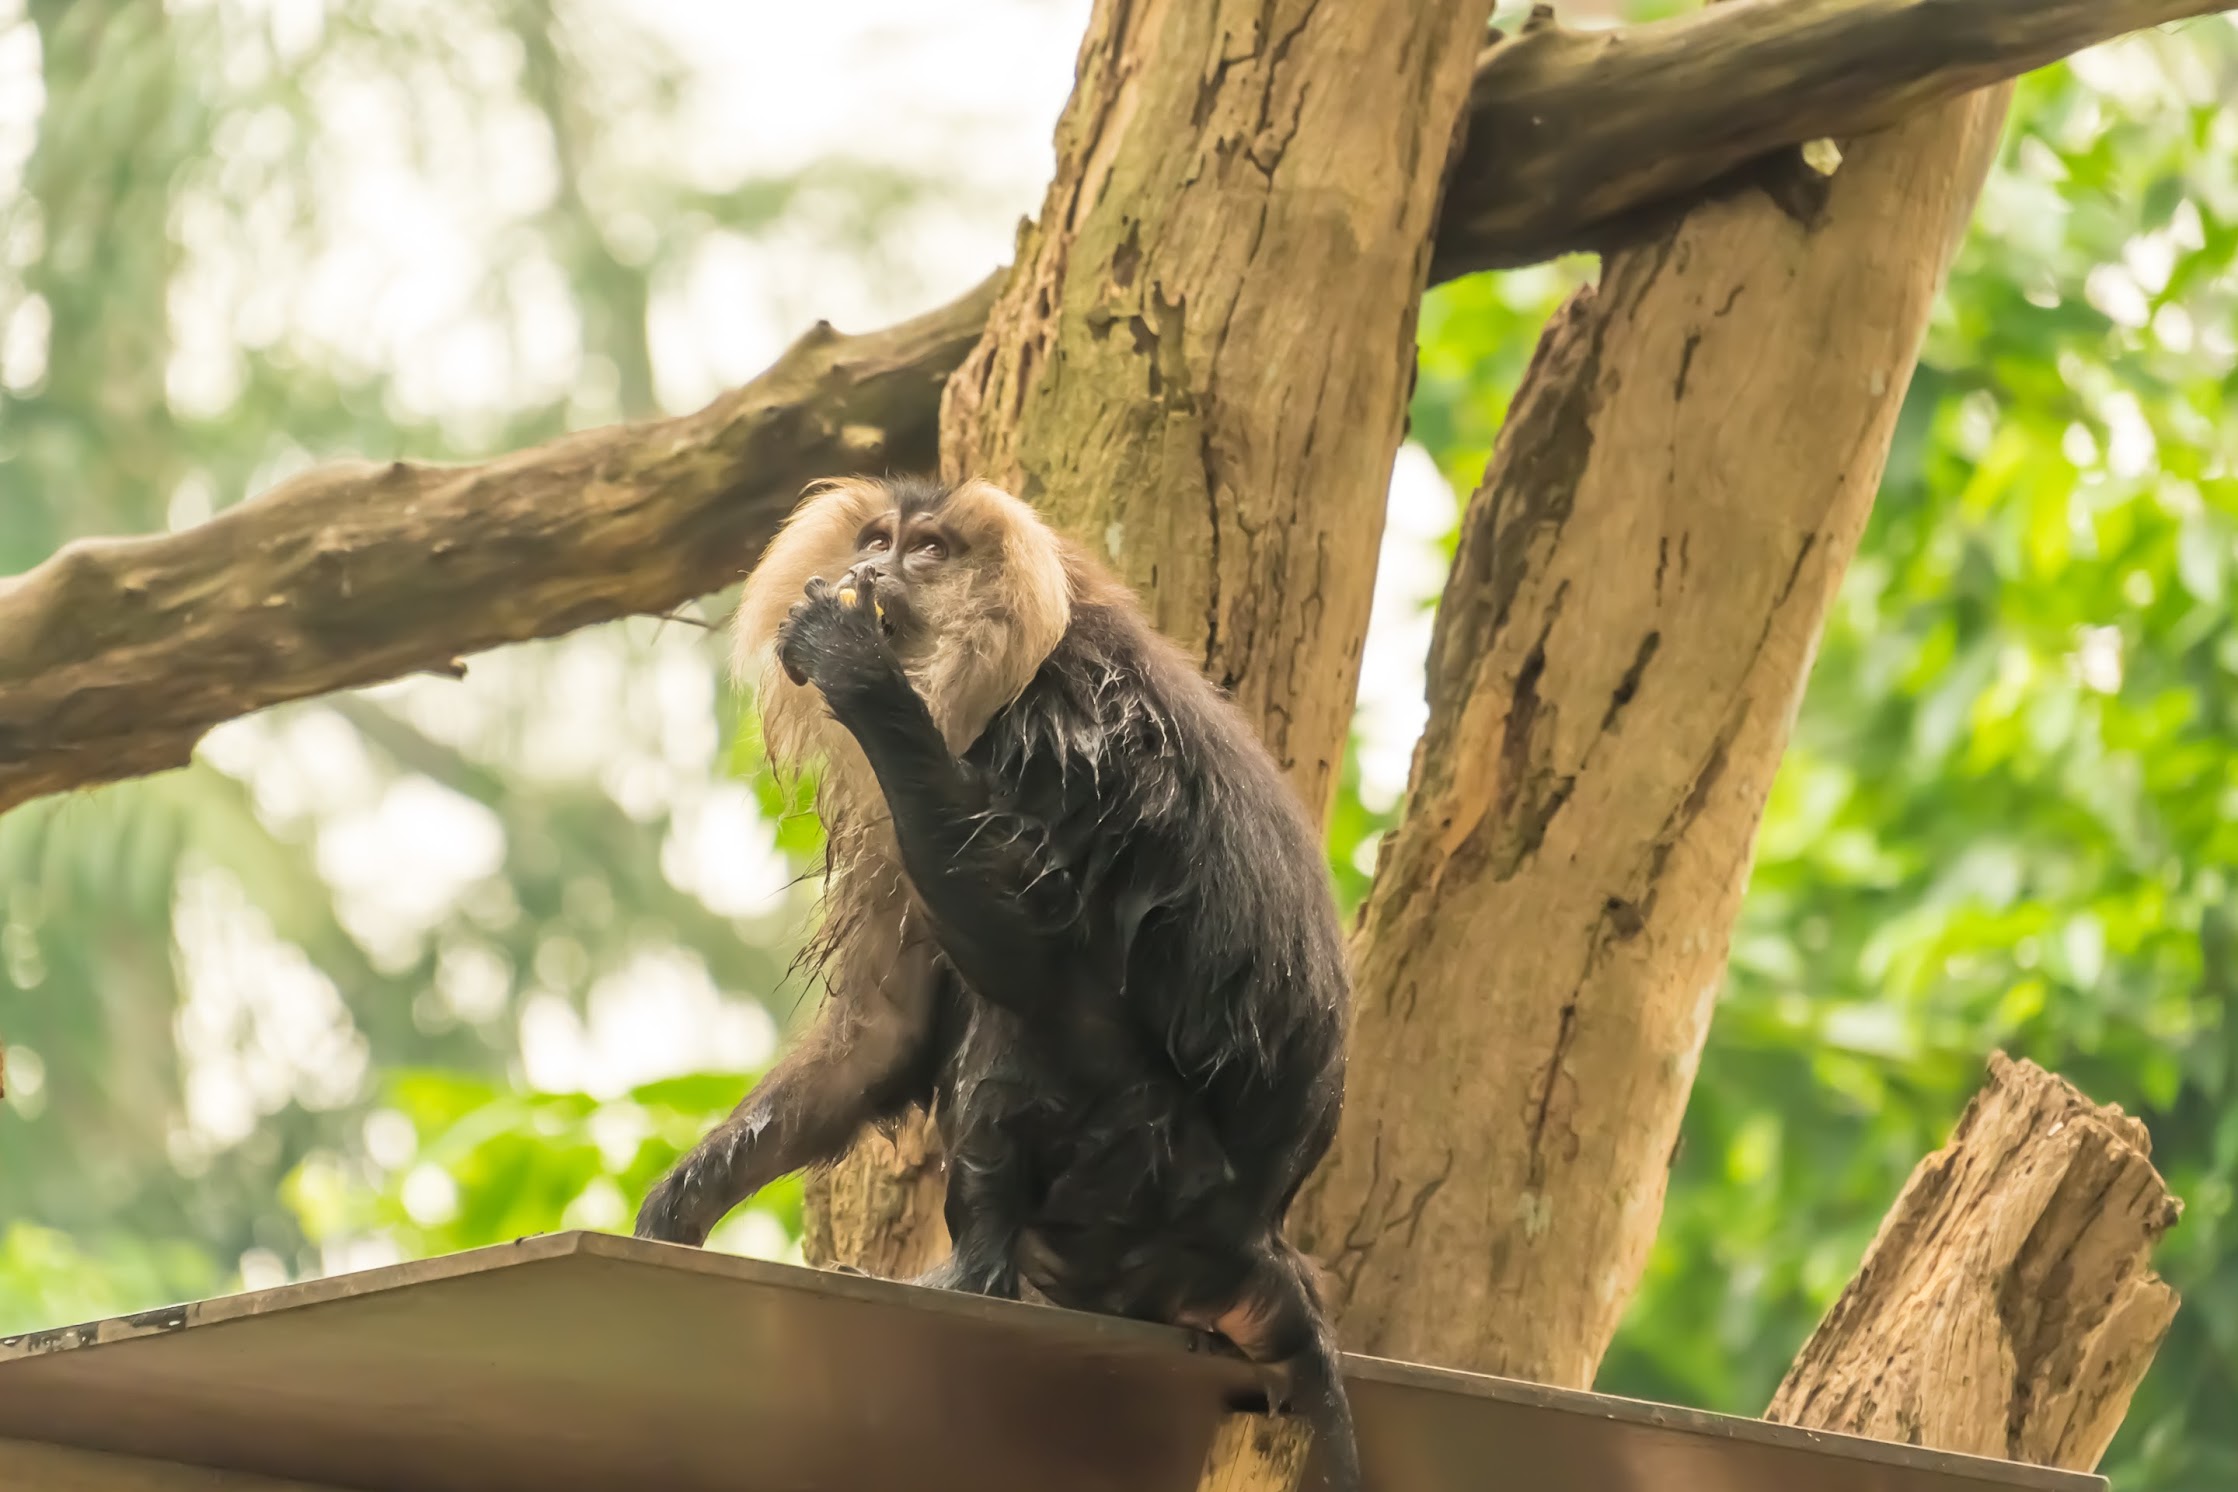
[(1197, 889)]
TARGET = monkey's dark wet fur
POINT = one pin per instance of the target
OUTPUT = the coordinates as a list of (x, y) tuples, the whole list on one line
[(1131, 1022)]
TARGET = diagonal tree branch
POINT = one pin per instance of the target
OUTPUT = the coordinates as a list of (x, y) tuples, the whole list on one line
[(1537, 962), (117, 655)]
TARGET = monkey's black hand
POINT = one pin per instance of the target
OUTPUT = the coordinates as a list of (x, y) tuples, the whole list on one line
[(833, 637)]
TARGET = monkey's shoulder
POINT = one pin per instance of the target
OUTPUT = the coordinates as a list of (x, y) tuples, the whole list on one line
[(1114, 706), (1119, 736)]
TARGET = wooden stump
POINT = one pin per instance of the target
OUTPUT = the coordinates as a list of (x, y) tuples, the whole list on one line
[(2006, 1307)]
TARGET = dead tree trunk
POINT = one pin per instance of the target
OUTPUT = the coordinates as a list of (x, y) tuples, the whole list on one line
[(2007, 1307), (1147, 376), (1626, 633)]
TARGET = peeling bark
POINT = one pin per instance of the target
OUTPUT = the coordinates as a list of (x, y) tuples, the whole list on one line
[(1623, 640), (2007, 1306), (1573, 140), (1147, 377), (879, 1210)]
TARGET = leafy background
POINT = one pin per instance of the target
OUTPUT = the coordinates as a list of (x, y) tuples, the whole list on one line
[(443, 963)]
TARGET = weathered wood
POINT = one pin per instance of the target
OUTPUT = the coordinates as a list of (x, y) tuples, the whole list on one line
[(1257, 1453), (1148, 380), (1200, 365), (1615, 666), (2007, 1307), (586, 1362), (115, 657), (880, 1210), (29, 1465)]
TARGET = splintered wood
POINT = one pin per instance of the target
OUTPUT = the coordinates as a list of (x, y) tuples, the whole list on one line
[(2006, 1307), (1257, 1453)]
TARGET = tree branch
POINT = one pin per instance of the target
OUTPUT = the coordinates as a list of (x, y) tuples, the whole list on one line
[(116, 655), (1582, 138)]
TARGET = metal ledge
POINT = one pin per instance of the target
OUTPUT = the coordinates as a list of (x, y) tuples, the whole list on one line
[(583, 1362)]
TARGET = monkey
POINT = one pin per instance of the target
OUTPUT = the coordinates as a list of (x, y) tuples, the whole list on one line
[(1071, 907)]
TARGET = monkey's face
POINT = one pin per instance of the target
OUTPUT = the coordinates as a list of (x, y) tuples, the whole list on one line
[(970, 588), (907, 563), (932, 563)]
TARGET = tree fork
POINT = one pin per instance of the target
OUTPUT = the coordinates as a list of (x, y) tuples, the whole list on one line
[(1147, 379), (2007, 1306), (1614, 668), (115, 656)]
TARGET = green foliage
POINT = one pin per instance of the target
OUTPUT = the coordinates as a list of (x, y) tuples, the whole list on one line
[(163, 229), (2007, 818), (52, 1278), (465, 1162)]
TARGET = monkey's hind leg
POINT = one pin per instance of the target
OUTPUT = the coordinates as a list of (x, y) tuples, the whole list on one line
[(983, 1209)]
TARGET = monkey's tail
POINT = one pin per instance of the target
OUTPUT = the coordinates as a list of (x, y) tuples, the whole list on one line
[(1280, 1324), (1317, 1396)]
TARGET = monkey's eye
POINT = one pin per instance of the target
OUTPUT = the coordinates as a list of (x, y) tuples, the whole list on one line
[(877, 543), (930, 548)]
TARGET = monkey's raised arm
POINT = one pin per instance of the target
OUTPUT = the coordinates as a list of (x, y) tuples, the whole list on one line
[(1008, 915), (1000, 901)]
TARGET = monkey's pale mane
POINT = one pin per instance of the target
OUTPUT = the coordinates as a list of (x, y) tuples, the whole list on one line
[(996, 634), (1006, 608)]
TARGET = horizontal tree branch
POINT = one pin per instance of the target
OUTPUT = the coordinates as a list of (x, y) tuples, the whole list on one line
[(1575, 137), (116, 655)]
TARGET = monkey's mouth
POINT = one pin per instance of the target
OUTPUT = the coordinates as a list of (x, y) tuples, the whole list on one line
[(896, 617), (889, 599)]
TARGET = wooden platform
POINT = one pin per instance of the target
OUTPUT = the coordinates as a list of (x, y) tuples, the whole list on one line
[(582, 1362)]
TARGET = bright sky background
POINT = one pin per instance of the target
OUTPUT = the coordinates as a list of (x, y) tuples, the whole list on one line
[(966, 94)]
